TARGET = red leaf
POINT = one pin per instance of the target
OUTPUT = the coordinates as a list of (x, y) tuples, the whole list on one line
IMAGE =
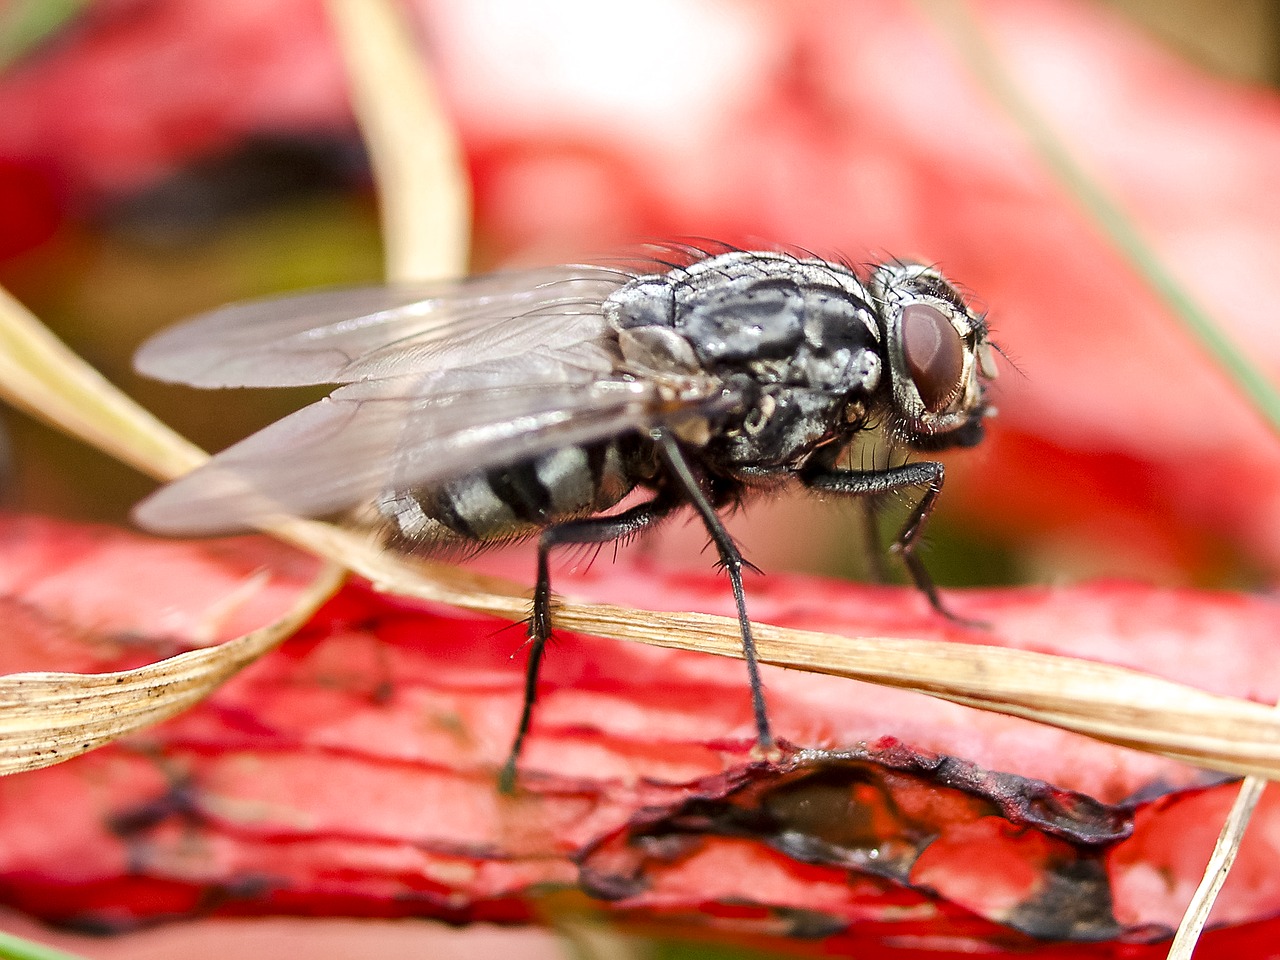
[(352, 772)]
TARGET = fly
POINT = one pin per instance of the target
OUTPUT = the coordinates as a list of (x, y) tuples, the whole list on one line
[(530, 404)]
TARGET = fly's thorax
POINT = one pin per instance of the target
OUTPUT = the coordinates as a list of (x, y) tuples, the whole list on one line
[(794, 340), (804, 322)]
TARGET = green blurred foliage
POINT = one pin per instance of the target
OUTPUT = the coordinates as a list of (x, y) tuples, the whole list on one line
[(105, 286), (24, 24)]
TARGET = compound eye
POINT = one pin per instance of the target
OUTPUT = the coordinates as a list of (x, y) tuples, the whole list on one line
[(934, 354)]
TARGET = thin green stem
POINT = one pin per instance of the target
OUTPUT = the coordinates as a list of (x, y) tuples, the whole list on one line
[(955, 18), (982, 60), (24, 24), (16, 948)]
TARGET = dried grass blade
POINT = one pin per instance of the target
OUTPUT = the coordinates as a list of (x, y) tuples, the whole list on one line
[(43, 376), (417, 160), (1114, 704), (50, 717), (1219, 866), (46, 718)]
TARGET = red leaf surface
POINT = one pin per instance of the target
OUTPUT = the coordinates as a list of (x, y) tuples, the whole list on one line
[(352, 771)]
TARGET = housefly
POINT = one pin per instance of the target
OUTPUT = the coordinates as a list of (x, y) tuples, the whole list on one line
[(530, 404)]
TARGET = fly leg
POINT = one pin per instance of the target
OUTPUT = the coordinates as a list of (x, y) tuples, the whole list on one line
[(927, 474), (878, 572), (733, 563), (590, 530)]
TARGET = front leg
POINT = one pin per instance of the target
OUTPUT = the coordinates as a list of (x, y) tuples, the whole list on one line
[(928, 474)]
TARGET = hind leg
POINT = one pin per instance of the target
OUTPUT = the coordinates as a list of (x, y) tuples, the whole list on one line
[(591, 530)]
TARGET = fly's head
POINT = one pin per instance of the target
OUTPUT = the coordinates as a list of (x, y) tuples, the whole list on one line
[(939, 357)]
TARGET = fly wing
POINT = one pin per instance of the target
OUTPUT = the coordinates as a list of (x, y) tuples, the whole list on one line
[(372, 439), (551, 314)]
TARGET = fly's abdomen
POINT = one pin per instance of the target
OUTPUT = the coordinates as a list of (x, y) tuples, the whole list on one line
[(513, 501)]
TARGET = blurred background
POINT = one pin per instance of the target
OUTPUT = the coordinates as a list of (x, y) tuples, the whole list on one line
[(159, 157)]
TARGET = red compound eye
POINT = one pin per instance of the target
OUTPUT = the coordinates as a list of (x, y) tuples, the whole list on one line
[(934, 353)]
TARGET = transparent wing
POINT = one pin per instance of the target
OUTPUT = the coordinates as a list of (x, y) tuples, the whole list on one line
[(549, 315), (380, 437)]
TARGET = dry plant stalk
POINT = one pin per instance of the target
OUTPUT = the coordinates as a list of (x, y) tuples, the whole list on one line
[(424, 193), (50, 717), (1219, 866), (1109, 703)]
